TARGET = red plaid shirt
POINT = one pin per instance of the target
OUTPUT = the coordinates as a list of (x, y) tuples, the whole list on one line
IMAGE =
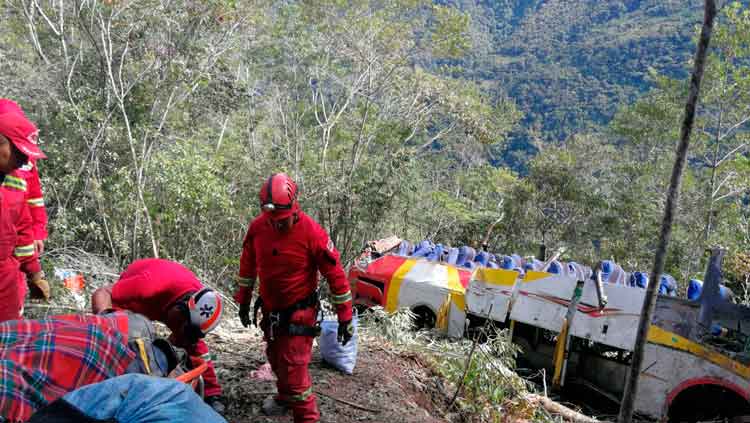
[(42, 360)]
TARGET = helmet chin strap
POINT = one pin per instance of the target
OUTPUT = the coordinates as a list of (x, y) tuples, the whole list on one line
[(191, 333), (276, 225)]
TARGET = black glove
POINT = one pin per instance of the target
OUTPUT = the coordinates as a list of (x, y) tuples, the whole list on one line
[(216, 403), (346, 332), (245, 315)]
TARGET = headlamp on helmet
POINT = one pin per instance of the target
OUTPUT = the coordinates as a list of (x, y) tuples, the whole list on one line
[(278, 195)]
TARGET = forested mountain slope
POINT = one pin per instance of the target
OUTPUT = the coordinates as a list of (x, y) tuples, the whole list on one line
[(569, 64)]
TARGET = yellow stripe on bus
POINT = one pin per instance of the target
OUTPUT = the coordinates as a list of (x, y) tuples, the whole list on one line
[(659, 336), (457, 291), (533, 275), (499, 277), (394, 288)]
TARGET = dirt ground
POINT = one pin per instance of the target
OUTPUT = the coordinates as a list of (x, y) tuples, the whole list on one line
[(385, 386)]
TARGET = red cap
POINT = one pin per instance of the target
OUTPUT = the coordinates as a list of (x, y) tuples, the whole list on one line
[(21, 132), (8, 106)]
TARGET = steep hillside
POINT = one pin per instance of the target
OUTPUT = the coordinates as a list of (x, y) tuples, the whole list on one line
[(569, 64)]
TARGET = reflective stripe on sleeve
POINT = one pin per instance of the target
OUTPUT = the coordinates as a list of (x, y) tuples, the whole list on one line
[(303, 396), (36, 202), (245, 282), (14, 182), (24, 251), (341, 299)]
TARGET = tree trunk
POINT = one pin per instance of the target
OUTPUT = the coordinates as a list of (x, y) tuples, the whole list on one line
[(712, 184), (631, 387)]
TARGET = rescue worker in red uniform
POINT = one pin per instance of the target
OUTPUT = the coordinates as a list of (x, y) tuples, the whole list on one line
[(168, 292), (34, 196), (17, 145), (285, 248), (15, 188), (30, 238)]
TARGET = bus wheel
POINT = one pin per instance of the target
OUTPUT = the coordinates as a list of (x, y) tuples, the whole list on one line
[(424, 318)]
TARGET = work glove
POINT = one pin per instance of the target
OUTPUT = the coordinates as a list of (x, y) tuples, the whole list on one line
[(346, 332), (39, 286), (245, 315), (216, 403)]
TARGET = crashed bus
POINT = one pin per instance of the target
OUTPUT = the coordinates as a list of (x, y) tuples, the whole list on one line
[(578, 327)]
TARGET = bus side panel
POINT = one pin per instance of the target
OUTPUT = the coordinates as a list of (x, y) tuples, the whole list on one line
[(665, 370), (489, 293), (543, 300), (614, 325)]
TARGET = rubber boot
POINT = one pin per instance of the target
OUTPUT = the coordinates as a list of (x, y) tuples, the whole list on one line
[(272, 407)]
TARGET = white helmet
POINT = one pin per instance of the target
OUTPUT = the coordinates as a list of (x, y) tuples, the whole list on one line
[(205, 310)]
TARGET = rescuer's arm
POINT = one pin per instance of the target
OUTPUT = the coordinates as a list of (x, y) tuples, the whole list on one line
[(101, 299), (329, 263), (246, 278), (27, 256), (35, 200)]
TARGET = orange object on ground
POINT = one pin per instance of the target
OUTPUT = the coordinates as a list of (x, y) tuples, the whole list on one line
[(75, 282)]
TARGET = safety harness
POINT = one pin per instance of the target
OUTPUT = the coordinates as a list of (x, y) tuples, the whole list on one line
[(278, 322)]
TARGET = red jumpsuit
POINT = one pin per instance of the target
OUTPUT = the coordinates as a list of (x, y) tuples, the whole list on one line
[(19, 186), (287, 265), (35, 199), (21, 258), (150, 287)]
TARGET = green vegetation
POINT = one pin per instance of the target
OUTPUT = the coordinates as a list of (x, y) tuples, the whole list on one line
[(490, 390), (519, 122)]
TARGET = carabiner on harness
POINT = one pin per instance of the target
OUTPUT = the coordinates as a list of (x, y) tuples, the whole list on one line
[(274, 320)]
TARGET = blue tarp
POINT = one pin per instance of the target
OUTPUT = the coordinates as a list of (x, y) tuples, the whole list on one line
[(638, 279), (483, 258), (555, 267), (608, 266), (423, 249), (465, 255), (436, 254), (695, 287), (667, 286), (506, 262), (574, 268), (532, 264), (452, 255), (405, 248)]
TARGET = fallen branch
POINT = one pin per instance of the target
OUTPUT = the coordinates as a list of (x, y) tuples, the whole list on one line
[(561, 410), (349, 403)]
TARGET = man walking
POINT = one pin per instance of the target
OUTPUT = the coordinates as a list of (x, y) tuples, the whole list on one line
[(285, 248)]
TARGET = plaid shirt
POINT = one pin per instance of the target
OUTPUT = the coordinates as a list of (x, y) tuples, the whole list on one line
[(42, 360)]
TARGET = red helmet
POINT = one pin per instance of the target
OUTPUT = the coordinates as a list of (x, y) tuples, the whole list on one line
[(278, 196)]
